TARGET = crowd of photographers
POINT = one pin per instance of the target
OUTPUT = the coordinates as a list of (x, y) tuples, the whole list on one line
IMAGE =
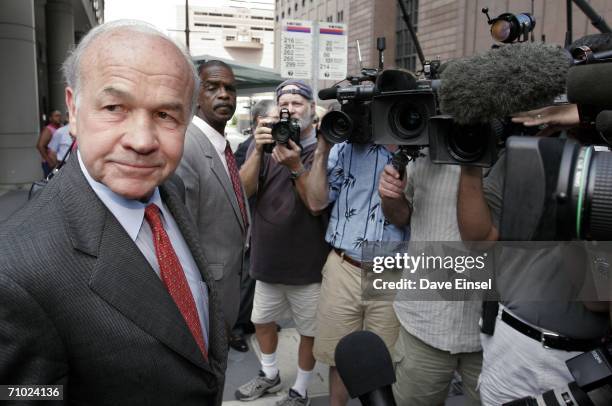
[(318, 203), (319, 191)]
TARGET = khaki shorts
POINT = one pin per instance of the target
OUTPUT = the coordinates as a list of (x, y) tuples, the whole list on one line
[(342, 311), (274, 302)]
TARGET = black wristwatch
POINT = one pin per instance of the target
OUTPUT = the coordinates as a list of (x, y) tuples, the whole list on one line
[(296, 174)]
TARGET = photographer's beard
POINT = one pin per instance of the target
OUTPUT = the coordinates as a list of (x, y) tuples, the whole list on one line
[(306, 122)]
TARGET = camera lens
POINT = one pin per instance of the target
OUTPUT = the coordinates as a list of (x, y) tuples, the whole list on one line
[(407, 120), (500, 30), (469, 143), (336, 127), (584, 192)]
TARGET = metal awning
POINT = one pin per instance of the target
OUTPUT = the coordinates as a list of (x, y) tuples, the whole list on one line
[(249, 78)]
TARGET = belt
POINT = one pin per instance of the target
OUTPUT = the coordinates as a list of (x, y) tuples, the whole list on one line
[(346, 258), (550, 339)]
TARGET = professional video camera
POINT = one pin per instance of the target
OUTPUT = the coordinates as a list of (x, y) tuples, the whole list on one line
[(284, 130), (384, 107), (591, 370), (557, 189), (459, 110)]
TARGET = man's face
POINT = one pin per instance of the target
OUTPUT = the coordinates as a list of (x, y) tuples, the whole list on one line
[(132, 112), (56, 118), (269, 118), (300, 108), (217, 97)]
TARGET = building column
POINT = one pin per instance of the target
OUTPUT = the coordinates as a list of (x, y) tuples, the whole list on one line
[(60, 39), (19, 160)]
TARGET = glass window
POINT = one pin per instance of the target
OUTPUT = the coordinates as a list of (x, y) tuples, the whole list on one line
[(405, 51)]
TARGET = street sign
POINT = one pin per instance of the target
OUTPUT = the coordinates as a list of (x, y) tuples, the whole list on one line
[(296, 49), (333, 51)]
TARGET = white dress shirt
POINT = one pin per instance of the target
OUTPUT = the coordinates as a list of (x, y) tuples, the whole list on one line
[(130, 214), (217, 139)]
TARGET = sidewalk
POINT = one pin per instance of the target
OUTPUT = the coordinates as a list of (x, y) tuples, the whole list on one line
[(243, 366)]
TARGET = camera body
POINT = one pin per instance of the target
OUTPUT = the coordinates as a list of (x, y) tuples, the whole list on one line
[(353, 122), (591, 370), (284, 130)]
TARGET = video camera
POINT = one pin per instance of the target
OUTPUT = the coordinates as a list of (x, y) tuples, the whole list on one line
[(384, 107), (569, 189)]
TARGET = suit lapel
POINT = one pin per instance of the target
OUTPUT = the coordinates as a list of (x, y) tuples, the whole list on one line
[(219, 171), (121, 275)]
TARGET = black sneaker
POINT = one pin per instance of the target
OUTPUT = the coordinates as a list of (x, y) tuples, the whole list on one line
[(258, 386)]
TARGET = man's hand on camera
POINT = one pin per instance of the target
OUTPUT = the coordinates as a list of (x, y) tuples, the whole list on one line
[(323, 145), (288, 155), (551, 118), (263, 136), (391, 186)]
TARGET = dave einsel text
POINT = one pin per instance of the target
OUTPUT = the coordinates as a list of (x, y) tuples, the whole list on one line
[(425, 284), (412, 263), (31, 392)]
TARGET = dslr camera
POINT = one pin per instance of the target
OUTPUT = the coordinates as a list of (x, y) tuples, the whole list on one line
[(285, 129)]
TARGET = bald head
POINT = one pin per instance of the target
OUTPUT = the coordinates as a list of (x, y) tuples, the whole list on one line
[(111, 37)]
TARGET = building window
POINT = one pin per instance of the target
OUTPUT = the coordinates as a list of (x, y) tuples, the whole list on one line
[(295, 7), (276, 18), (330, 19), (340, 16), (283, 16), (256, 40), (289, 11), (405, 52), (303, 3), (230, 38)]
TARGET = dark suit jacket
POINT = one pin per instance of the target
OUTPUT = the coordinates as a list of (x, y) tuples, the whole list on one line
[(212, 202), (81, 306)]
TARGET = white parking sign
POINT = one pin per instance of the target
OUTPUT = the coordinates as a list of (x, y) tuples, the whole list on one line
[(333, 58), (296, 49)]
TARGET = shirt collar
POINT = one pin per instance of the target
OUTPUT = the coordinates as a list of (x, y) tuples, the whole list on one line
[(310, 139), (215, 137), (129, 213)]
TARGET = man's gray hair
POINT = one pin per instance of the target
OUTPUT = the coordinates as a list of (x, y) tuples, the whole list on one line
[(72, 65)]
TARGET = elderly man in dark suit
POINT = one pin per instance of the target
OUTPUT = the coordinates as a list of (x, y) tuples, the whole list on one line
[(103, 285), (214, 194)]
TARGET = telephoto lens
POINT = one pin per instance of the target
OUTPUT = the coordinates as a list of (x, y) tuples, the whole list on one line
[(556, 190), (584, 192)]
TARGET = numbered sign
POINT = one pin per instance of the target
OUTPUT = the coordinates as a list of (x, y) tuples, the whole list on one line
[(296, 49), (333, 51)]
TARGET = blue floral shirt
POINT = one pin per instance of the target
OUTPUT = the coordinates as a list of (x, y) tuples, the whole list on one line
[(353, 172)]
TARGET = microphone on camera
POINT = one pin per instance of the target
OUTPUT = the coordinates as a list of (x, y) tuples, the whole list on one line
[(365, 366), (328, 93), (590, 85), (502, 81)]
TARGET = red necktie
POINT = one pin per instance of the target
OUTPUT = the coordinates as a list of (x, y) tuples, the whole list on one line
[(235, 177), (173, 276)]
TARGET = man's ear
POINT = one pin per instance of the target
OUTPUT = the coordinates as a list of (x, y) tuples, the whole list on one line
[(72, 109)]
